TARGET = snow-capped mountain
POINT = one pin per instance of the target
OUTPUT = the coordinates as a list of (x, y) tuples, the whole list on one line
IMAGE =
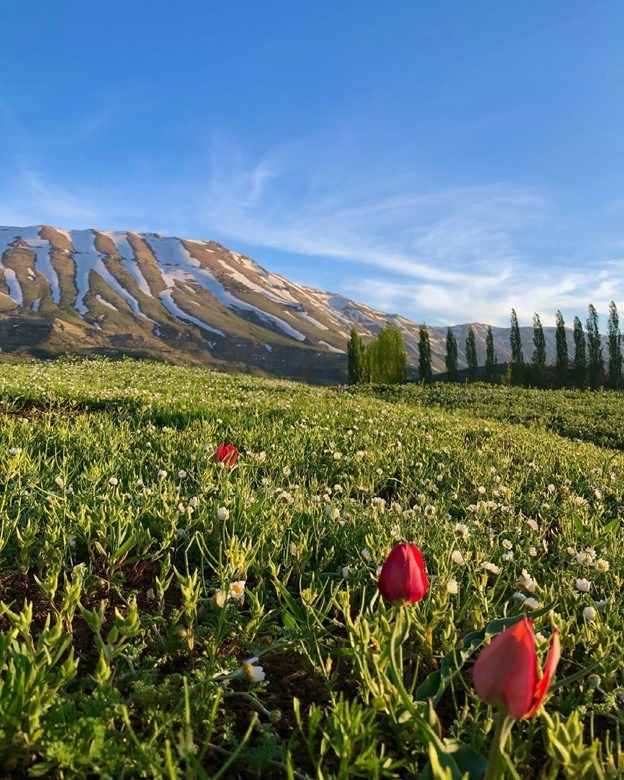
[(95, 291)]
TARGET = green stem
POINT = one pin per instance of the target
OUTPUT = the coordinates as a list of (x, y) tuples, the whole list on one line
[(501, 731)]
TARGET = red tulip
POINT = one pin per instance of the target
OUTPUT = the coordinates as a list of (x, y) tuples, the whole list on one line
[(226, 454), (505, 674), (403, 579)]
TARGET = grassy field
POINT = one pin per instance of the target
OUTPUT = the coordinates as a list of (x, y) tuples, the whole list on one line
[(164, 616)]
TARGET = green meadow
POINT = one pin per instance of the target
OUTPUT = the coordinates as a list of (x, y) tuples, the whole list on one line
[(162, 615)]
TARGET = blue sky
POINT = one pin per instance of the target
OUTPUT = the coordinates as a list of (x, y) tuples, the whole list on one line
[(442, 160)]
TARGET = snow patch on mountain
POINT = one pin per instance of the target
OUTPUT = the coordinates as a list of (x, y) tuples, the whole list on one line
[(88, 259), (186, 267), (128, 258), (40, 247), (166, 296)]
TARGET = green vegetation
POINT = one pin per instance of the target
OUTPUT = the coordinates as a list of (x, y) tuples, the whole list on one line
[(164, 616), (381, 361)]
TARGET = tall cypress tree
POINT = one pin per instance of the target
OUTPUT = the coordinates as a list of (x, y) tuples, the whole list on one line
[(538, 361), (580, 355), (355, 355), (615, 349), (562, 358), (387, 358), (490, 356), (424, 354), (471, 355), (517, 356), (595, 365), (451, 356)]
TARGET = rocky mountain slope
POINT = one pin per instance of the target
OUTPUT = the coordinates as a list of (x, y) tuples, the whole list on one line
[(143, 294)]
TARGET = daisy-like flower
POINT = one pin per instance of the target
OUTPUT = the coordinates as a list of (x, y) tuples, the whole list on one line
[(182, 474), (583, 585), (223, 513), (161, 473), (532, 524), (452, 587), (527, 582), (584, 558), (237, 591), (219, 599), (589, 613), (491, 568), (457, 558), (113, 481), (253, 673), (601, 565), (530, 603), (462, 530)]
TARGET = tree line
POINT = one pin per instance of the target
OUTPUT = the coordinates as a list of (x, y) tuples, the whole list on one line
[(384, 360)]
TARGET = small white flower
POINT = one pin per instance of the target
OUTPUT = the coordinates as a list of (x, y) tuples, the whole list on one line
[(452, 587), (59, 482), (491, 568), (113, 481), (254, 674), (583, 585), (15, 450), (527, 582), (138, 483), (365, 553), (532, 551), (462, 530), (193, 501), (223, 513), (507, 544), (182, 474), (345, 572), (508, 556), (530, 603), (237, 591), (219, 599), (589, 613), (161, 473), (519, 596), (532, 524), (457, 558), (601, 565), (181, 508)]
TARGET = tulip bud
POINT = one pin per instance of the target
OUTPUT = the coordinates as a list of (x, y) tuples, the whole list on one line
[(227, 454), (505, 673), (403, 579)]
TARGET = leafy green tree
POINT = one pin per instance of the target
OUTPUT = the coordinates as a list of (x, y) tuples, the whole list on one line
[(386, 357), (615, 349), (517, 356), (355, 354), (595, 364), (538, 361), (580, 355), (490, 356), (471, 355), (451, 356), (562, 358), (424, 354)]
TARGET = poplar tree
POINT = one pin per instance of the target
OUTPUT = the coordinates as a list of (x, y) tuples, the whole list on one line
[(355, 355), (386, 357), (580, 355), (424, 355), (595, 365), (615, 349), (517, 356), (562, 358), (451, 356), (490, 356), (538, 361), (471, 355)]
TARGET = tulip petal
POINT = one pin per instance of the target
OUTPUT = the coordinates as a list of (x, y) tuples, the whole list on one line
[(554, 654), (505, 673), (403, 579)]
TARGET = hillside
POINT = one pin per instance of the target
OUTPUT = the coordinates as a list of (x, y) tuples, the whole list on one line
[(186, 301)]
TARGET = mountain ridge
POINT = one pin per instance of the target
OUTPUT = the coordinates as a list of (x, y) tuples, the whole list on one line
[(186, 300)]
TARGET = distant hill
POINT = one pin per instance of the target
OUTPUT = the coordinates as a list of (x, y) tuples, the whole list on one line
[(181, 300)]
